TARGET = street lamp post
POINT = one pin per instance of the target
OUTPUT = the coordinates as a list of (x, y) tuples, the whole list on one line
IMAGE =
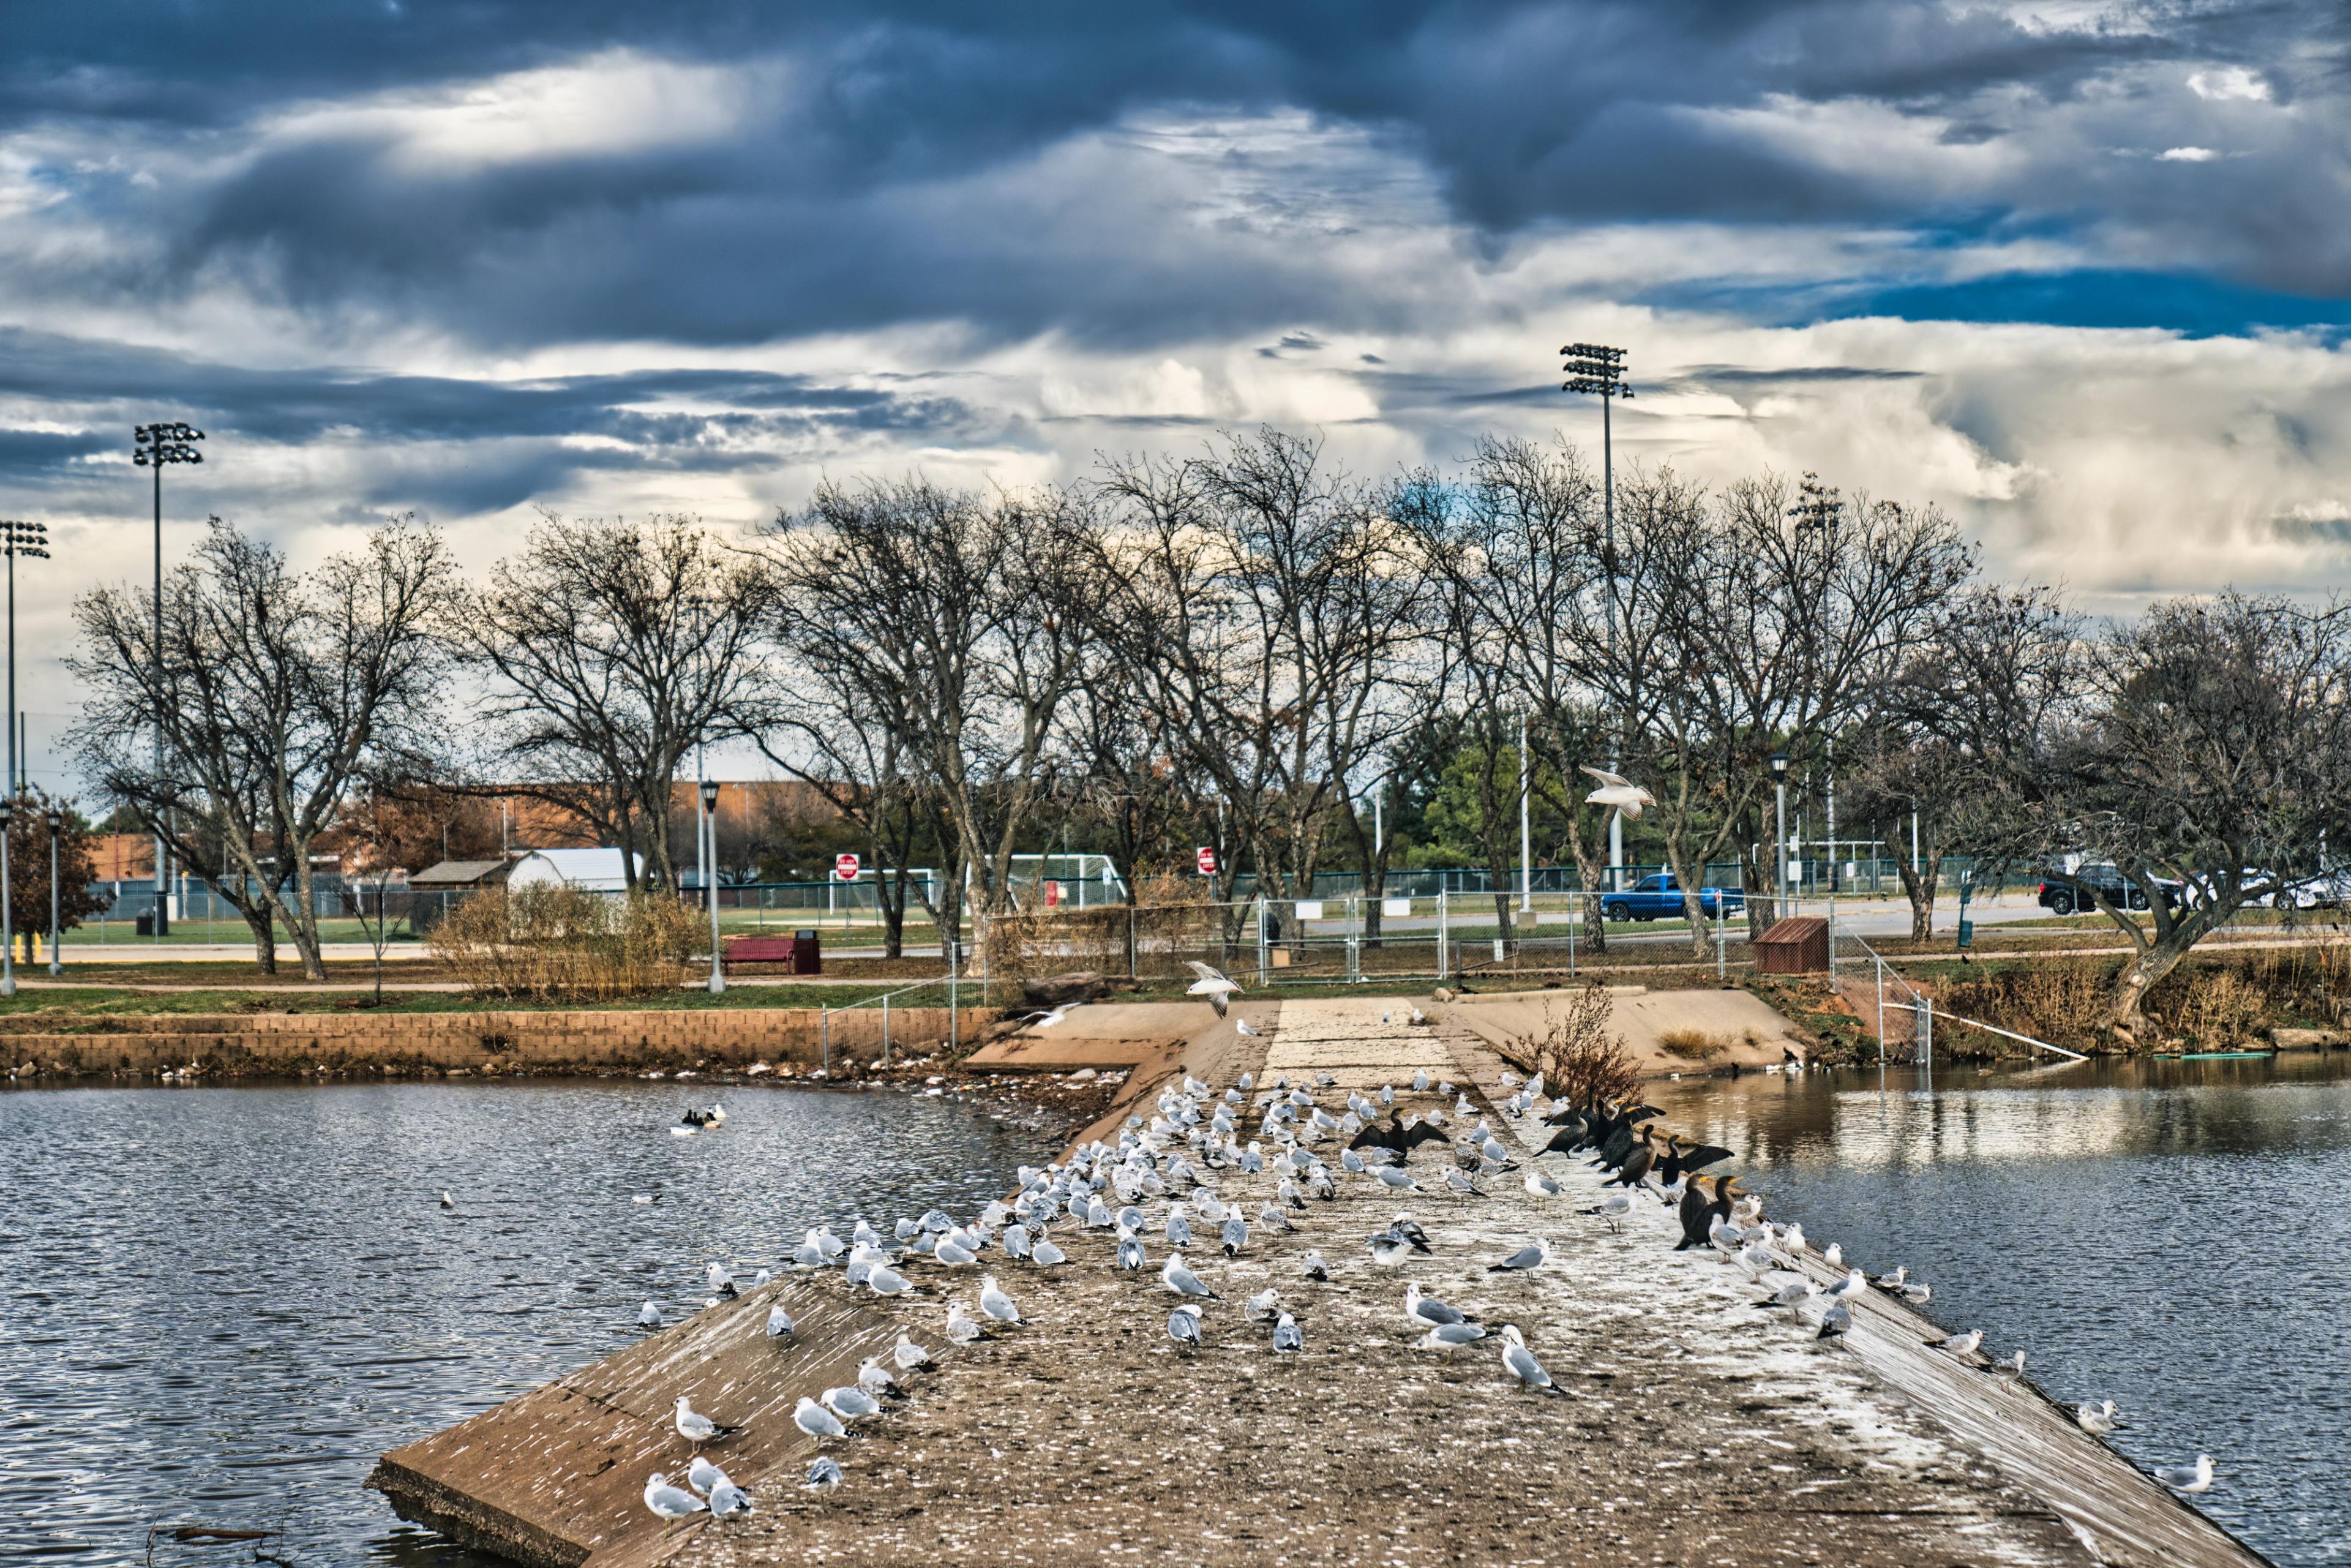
[(1526, 830), (710, 880), (17, 539), (57, 825), (1780, 844), (7, 909), (157, 446), (1599, 369)]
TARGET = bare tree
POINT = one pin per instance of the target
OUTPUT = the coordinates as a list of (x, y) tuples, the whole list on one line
[(609, 651), (277, 690), (1267, 605), (1771, 617), (1957, 742), (950, 626), (2217, 750)]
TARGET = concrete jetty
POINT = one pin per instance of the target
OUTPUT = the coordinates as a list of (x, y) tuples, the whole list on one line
[(1690, 1427)]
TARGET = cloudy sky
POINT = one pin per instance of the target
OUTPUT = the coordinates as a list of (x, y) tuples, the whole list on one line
[(2081, 272)]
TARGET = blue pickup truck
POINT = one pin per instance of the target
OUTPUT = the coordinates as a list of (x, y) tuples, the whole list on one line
[(1659, 897)]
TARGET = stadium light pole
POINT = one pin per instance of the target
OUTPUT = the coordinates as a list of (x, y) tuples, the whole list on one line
[(157, 447), (1599, 370), (17, 539)]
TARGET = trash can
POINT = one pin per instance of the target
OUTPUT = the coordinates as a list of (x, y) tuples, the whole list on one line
[(145, 924), (807, 953)]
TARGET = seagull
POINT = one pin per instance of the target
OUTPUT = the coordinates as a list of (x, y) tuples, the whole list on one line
[(649, 1315), (727, 1498), (955, 1255), (1613, 1207), (1211, 985), (1835, 1320), (1263, 1305), (1131, 1256), (996, 1303), (815, 1420), (889, 1283), (1045, 1254), (1541, 1186), (875, 1377), (962, 1327), (1397, 1179), (1964, 1344), (1893, 1282), (1620, 792), (911, 1355), (722, 1281), (698, 1428), (702, 1475), (1242, 1026), (849, 1402), (448, 1202), (1524, 1258), (1183, 1327), (1428, 1311), (823, 1473), (1315, 1268), (780, 1322), (2195, 1477), (2096, 1419), (1178, 1277), (669, 1501), (1450, 1337), (1235, 1235), (1286, 1336), (1388, 1248), (1520, 1362), (1048, 1020)]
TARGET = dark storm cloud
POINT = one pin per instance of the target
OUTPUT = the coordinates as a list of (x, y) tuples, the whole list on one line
[(520, 439), (826, 211)]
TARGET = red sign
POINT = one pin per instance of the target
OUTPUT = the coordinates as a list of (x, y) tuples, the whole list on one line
[(1208, 861), (844, 868), (1052, 893)]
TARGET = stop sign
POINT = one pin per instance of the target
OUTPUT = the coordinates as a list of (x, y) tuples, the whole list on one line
[(1208, 861), (844, 868)]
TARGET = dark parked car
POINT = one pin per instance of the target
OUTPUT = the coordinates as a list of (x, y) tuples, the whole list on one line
[(1659, 897), (2067, 892)]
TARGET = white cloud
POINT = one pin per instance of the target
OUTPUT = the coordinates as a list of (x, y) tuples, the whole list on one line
[(2228, 82), (2185, 155)]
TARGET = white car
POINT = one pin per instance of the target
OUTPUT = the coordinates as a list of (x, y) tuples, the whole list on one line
[(2328, 890)]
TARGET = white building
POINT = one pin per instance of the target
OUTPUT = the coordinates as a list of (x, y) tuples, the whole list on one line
[(593, 871)]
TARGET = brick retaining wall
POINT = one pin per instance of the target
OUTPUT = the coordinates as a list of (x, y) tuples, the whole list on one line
[(241, 1044)]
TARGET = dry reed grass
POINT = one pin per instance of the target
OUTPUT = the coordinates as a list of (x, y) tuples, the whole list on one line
[(547, 943)]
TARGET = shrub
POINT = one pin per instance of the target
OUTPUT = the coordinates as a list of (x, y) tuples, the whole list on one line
[(552, 943), (1577, 1056), (1693, 1044)]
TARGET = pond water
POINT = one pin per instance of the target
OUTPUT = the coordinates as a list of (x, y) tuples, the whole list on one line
[(222, 1304), (2171, 1236)]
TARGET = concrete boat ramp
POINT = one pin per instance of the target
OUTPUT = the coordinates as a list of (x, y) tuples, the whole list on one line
[(1691, 1427)]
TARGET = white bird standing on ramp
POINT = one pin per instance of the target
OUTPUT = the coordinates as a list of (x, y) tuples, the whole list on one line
[(669, 1501), (1211, 985), (1520, 1362), (995, 1302), (1243, 1026), (1620, 792), (815, 1420), (696, 1428)]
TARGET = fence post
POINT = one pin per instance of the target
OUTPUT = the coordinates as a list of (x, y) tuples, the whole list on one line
[(1354, 938), (885, 1029), (1264, 957), (824, 1038), (1881, 1012), (1721, 937), (1442, 969)]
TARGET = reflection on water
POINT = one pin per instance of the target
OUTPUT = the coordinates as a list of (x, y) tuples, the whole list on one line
[(222, 1304), (2168, 1235)]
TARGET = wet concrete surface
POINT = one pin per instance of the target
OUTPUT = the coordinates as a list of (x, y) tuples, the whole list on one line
[(1691, 1428)]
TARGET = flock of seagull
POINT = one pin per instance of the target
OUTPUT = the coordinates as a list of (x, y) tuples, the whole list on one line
[(1157, 1186)]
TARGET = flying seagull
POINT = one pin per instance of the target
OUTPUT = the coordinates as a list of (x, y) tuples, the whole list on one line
[(1620, 792), (1048, 1020), (2195, 1477), (1211, 985)]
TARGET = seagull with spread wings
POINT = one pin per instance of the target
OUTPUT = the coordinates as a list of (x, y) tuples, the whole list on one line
[(1620, 792)]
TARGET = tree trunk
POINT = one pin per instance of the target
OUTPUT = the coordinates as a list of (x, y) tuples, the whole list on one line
[(1919, 886), (2126, 1010), (264, 924)]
